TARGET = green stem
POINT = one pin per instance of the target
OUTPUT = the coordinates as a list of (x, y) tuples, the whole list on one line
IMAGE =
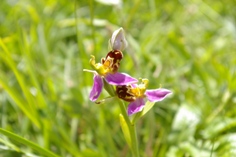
[(131, 125), (132, 130), (109, 88), (135, 140)]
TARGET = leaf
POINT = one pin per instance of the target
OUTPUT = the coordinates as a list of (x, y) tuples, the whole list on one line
[(125, 130), (147, 107), (36, 147)]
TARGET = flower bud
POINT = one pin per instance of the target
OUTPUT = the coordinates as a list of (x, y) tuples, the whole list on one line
[(118, 41)]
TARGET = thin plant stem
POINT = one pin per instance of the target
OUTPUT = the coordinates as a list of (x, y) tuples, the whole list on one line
[(131, 125), (132, 129), (135, 140)]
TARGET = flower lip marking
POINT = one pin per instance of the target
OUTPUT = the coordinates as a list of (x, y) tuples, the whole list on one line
[(110, 64), (112, 60), (124, 92), (131, 92)]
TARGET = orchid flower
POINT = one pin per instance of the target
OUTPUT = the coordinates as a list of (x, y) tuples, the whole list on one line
[(109, 66), (135, 94), (107, 70)]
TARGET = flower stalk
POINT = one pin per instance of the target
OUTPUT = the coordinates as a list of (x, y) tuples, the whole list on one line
[(131, 125), (131, 128)]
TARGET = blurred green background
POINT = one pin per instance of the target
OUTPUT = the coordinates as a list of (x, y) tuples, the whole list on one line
[(187, 46)]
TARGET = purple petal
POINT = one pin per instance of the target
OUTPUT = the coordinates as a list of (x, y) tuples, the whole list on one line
[(97, 88), (120, 79), (157, 94), (136, 106)]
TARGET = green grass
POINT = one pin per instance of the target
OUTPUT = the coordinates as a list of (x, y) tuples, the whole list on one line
[(186, 46)]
